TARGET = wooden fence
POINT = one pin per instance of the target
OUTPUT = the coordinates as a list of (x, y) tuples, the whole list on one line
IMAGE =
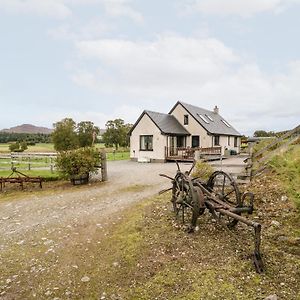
[(40, 161), (257, 161)]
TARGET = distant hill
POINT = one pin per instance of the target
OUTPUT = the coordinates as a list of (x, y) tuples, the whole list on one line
[(27, 128)]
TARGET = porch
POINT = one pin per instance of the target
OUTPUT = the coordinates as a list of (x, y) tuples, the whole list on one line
[(188, 154)]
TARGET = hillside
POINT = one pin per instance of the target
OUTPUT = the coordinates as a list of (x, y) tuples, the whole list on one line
[(27, 128)]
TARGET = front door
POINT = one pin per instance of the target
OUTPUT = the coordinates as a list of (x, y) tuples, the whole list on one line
[(173, 146), (181, 142)]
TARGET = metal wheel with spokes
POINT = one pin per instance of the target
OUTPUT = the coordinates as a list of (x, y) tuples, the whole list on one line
[(223, 187), (186, 200)]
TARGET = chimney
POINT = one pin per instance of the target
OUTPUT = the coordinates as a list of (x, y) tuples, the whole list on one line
[(216, 110)]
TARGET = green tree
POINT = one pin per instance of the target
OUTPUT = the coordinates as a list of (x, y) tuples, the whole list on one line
[(87, 132), (263, 133), (116, 133), (23, 146), (64, 135)]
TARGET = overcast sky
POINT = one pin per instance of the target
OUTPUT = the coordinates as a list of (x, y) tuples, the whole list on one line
[(102, 59)]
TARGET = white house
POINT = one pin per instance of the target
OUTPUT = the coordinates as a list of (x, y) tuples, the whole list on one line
[(156, 136)]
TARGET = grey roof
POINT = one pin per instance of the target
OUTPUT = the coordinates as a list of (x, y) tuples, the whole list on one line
[(215, 124), (166, 123)]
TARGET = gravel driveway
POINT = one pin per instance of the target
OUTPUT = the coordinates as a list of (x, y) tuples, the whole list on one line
[(128, 182)]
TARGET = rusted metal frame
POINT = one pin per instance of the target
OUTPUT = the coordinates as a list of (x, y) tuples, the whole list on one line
[(257, 236), (213, 198)]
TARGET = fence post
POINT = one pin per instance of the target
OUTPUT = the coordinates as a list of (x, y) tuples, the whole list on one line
[(51, 165), (103, 165), (249, 167)]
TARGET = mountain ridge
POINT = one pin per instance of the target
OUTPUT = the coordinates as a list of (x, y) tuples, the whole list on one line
[(27, 128)]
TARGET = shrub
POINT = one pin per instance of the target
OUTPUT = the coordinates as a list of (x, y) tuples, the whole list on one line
[(78, 163), (18, 147), (202, 170)]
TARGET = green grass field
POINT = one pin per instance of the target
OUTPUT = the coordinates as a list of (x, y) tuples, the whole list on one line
[(4, 148), (23, 164)]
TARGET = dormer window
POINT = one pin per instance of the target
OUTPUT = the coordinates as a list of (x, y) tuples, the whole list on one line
[(186, 119)]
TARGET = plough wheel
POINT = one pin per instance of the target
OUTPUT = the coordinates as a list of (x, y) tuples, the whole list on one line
[(223, 186), (186, 201)]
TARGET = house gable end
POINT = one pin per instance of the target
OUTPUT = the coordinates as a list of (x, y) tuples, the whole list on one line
[(179, 103), (139, 120)]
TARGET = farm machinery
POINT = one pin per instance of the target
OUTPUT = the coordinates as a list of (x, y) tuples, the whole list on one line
[(220, 195)]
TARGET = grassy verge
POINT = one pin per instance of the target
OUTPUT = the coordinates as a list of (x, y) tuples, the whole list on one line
[(287, 168)]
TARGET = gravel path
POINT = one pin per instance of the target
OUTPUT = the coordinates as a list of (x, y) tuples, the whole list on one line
[(128, 182)]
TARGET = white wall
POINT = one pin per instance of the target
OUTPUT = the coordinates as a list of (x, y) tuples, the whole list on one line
[(224, 143), (193, 127), (147, 127)]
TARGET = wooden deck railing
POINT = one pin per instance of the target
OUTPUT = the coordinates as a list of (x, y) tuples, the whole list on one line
[(182, 153)]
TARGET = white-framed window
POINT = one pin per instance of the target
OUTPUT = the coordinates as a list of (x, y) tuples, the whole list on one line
[(146, 142)]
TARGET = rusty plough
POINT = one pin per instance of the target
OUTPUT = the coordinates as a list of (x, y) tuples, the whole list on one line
[(220, 196)]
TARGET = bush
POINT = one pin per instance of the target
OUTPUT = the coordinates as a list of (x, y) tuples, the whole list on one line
[(14, 146), (79, 163), (202, 170), (18, 147)]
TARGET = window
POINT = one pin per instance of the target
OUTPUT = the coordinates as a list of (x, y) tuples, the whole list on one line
[(235, 141), (195, 141), (226, 123), (186, 119), (209, 117), (203, 119), (228, 141), (217, 140), (146, 142)]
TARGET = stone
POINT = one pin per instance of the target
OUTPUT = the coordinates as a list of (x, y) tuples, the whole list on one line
[(284, 198), (271, 297), (282, 238), (85, 279), (275, 223)]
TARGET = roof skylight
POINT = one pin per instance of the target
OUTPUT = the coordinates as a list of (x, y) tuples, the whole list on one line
[(226, 123), (209, 117), (203, 118)]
